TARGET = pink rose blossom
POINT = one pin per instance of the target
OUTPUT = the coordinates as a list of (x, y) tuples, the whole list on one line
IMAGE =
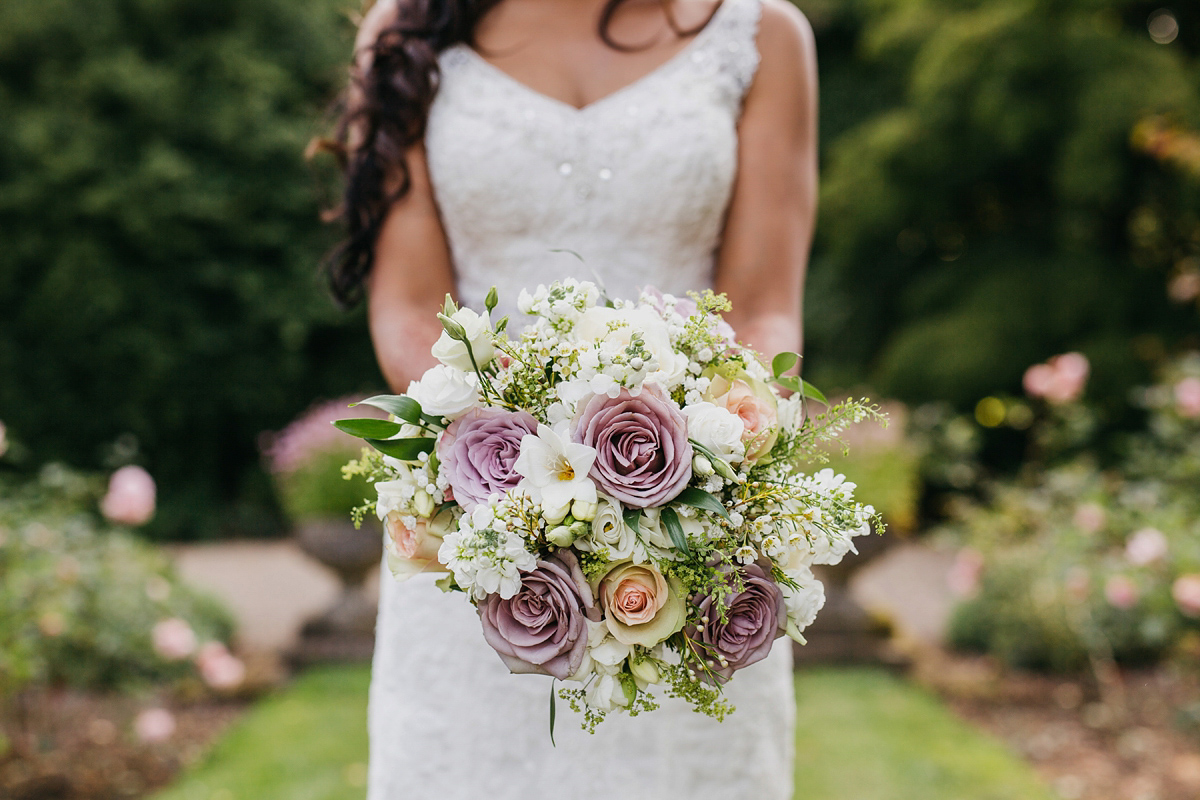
[(1184, 287), (130, 497), (1121, 592), (154, 725), (1090, 517), (963, 578), (1146, 546), (1187, 398), (1186, 592), (1060, 380), (219, 668), (174, 639)]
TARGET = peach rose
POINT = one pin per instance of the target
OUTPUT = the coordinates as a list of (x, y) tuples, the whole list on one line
[(753, 402), (640, 606), (412, 549)]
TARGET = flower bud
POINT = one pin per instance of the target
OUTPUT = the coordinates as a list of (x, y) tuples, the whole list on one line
[(725, 471), (584, 511), (555, 514), (561, 536), (454, 329), (424, 503), (645, 672), (578, 528), (702, 466)]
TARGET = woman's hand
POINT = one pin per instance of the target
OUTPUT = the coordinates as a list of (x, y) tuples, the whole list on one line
[(768, 232)]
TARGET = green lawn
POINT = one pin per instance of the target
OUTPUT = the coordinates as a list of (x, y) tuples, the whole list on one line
[(862, 735)]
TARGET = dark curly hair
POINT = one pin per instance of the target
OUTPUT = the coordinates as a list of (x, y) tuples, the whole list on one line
[(384, 114)]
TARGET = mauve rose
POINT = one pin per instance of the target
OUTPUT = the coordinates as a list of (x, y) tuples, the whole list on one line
[(542, 629), (478, 452), (754, 618), (643, 456)]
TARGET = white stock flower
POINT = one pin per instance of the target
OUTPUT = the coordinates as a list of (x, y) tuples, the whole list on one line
[(445, 391), (791, 412), (554, 470), (453, 353), (804, 602), (595, 323), (717, 430)]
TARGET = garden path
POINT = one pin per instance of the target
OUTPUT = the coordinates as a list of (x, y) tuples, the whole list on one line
[(273, 587)]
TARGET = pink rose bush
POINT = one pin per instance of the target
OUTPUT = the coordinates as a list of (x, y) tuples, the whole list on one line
[(616, 491), (1060, 380), (130, 497)]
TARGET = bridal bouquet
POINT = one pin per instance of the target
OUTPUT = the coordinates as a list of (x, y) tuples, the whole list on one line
[(621, 492)]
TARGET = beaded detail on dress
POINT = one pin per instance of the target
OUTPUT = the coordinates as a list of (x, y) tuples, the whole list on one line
[(637, 184)]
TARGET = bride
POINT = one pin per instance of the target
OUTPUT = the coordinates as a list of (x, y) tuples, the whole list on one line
[(669, 143)]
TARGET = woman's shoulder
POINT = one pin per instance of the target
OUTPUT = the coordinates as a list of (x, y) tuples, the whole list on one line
[(786, 46)]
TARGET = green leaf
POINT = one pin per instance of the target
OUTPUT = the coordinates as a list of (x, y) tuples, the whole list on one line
[(552, 712), (403, 449), (368, 428), (813, 392), (698, 498), (565, 250), (398, 405), (789, 382), (671, 521), (783, 362), (632, 517)]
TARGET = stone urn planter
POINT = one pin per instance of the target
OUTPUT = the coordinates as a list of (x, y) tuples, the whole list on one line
[(346, 630)]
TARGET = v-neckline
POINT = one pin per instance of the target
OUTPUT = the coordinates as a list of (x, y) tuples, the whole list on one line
[(636, 83)]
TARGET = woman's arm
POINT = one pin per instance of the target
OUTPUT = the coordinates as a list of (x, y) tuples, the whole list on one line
[(411, 278), (768, 232), (412, 273)]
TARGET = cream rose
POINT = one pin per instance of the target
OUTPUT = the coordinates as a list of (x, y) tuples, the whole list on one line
[(716, 429), (754, 403), (412, 544), (445, 392), (453, 353), (640, 606), (594, 326)]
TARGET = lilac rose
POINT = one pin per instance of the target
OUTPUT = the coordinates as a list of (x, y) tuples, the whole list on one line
[(643, 456), (479, 450), (754, 618), (542, 629)]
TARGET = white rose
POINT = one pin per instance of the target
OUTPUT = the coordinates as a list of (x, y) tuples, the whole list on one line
[(445, 391), (593, 326), (608, 532), (453, 353), (804, 602), (716, 429)]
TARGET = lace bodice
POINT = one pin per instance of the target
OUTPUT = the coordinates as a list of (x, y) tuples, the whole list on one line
[(637, 183)]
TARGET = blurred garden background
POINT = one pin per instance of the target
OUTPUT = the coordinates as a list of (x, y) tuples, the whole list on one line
[(1008, 257)]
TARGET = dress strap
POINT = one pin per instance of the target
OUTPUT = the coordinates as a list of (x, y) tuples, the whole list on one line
[(729, 50)]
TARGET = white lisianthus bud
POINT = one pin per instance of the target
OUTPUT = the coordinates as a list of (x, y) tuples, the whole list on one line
[(462, 328), (424, 503), (702, 466), (583, 510), (645, 672), (561, 535)]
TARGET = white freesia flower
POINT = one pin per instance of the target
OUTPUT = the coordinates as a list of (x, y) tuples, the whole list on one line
[(554, 470), (804, 602), (595, 326), (716, 429), (445, 391), (394, 495), (453, 353), (791, 412)]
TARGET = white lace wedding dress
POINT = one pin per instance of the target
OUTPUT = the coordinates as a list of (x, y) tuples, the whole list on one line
[(637, 184)]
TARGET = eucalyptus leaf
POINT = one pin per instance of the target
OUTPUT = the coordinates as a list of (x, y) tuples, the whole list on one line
[(698, 498), (402, 449), (398, 405), (783, 362), (553, 713), (670, 521), (368, 428)]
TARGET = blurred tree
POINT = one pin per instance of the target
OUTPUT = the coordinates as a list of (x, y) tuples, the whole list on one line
[(992, 210), (158, 274)]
